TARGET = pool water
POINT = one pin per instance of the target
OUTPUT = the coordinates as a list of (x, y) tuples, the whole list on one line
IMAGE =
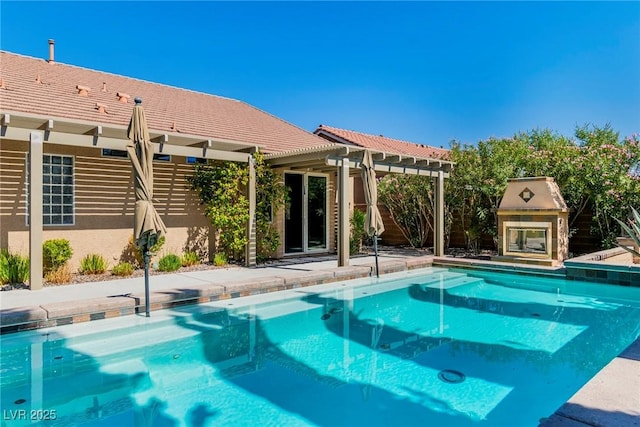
[(437, 347)]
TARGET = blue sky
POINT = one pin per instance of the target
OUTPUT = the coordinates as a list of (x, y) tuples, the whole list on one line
[(425, 72)]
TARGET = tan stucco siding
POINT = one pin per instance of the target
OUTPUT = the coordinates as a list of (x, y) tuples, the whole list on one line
[(103, 203)]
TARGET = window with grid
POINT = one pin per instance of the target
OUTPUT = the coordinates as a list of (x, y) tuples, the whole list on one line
[(57, 190)]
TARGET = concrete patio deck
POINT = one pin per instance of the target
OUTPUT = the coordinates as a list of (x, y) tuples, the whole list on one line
[(610, 399)]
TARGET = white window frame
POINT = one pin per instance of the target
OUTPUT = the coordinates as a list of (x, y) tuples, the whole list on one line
[(50, 194)]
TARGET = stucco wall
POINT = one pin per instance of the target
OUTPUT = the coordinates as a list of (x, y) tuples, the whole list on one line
[(104, 204)]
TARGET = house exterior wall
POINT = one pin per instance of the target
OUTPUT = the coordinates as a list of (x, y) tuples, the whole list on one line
[(103, 204)]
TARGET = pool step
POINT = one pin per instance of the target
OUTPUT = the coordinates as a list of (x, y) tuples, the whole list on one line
[(451, 280)]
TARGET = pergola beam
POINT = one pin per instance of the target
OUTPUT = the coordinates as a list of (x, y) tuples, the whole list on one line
[(95, 140), (386, 167)]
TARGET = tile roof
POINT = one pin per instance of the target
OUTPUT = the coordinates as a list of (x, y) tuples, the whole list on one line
[(381, 143), (32, 85)]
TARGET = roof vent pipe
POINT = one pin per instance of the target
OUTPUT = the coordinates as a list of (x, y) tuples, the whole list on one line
[(83, 90), (123, 97), (51, 49)]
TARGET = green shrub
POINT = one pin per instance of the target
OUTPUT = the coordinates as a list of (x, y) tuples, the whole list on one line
[(133, 255), (93, 264), (122, 269), (357, 231), (55, 254), (14, 268), (190, 258), (219, 259), (170, 262)]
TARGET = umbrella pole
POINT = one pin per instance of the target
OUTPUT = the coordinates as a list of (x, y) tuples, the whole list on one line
[(146, 281), (375, 251)]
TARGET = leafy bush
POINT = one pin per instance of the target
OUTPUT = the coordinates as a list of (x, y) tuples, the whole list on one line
[(55, 254), (219, 259), (221, 188), (190, 258), (133, 255), (271, 196), (60, 275), (597, 173), (93, 264), (122, 269), (14, 268), (169, 262), (357, 231)]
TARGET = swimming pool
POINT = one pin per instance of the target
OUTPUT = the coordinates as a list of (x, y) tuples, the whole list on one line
[(429, 347)]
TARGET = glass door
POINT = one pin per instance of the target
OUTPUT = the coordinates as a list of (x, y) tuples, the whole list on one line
[(316, 213), (306, 220), (294, 216)]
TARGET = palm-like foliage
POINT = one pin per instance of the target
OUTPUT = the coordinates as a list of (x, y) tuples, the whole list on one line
[(633, 229)]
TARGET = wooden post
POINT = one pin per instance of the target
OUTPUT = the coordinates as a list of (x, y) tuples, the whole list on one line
[(250, 250), (344, 195), (438, 228), (35, 210)]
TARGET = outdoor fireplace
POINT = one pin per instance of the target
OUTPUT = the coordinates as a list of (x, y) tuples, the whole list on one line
[(533, 223)]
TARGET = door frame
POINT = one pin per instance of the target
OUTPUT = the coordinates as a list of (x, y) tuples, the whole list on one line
[(305, 214)]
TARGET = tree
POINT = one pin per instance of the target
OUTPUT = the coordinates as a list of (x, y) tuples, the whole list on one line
[(608, 170), (409, 199), (596, 170)]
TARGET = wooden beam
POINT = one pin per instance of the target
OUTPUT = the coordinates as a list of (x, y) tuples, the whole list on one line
[(96, 141), (388, 168)]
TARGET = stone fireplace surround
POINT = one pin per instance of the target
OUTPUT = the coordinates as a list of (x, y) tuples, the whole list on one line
[(533, 223)]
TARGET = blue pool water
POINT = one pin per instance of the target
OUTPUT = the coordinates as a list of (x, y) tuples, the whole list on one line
[(433, 347)]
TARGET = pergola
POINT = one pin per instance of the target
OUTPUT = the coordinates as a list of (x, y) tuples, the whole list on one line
[(345, 161), (340, 159), (36, 130)]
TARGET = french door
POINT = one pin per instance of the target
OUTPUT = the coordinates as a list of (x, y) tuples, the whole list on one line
[(306, 220)]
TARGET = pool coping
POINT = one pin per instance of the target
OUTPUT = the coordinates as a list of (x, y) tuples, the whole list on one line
[(609, 399), (49, 314)]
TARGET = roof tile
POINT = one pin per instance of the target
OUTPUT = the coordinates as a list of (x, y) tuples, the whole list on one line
[(383, 143), (55, 94)]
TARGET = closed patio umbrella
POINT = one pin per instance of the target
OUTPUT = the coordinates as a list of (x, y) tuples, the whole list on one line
[(373, 220), (147, 224)]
